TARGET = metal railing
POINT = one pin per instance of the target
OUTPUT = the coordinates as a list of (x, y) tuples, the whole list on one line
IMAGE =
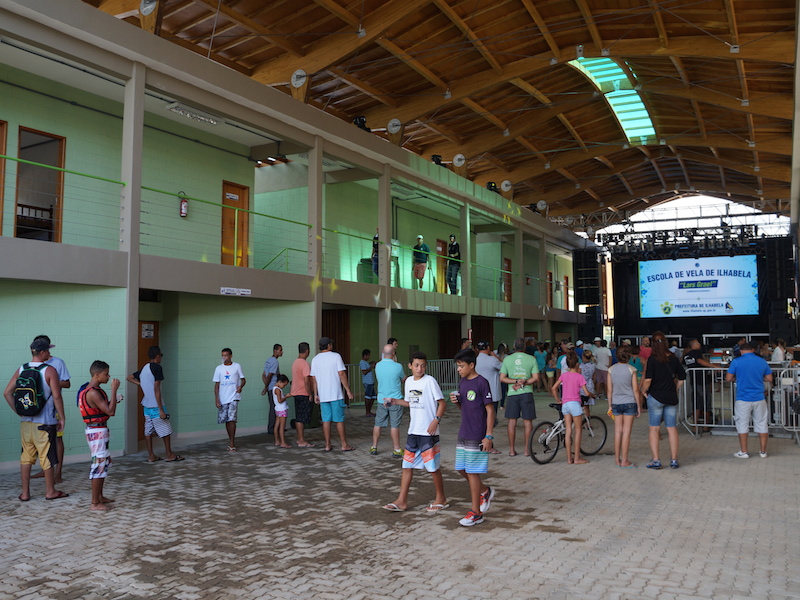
[(707, 401), (443, 370), (61, 205)]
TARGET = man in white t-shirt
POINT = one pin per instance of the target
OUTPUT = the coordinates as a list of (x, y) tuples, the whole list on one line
[(603, 357), (328, 377), (228, 383)]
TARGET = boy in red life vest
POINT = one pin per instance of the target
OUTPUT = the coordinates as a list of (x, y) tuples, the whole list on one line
[(96, 409)]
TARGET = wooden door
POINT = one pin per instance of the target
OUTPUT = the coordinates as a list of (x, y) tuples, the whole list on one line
[(336, 325), (148, 336), (482, 330), (508, 277), (235, 223), (441, 267), (449, 339)]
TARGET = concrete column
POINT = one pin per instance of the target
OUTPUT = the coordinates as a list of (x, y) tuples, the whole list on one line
[(546, 332), (130, 211), (315, 218), (466, 268), (385, 253)]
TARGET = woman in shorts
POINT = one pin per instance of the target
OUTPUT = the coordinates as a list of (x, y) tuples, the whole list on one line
[(625, 403)]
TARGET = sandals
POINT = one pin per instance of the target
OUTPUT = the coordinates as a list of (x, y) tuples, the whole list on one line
[(654, 464), (433, 508)]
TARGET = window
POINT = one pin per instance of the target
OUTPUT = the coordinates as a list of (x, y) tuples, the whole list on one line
[(39, 188)]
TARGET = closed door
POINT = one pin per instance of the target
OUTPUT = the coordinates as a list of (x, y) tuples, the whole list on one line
[(507, 279), (235, 223)]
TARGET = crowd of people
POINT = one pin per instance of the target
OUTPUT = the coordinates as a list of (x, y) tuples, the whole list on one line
[(629, 378)]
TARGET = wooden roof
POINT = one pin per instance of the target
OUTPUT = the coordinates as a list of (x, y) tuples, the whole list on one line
[(491, 79)]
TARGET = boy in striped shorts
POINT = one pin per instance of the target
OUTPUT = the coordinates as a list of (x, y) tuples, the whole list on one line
[(474, 400)]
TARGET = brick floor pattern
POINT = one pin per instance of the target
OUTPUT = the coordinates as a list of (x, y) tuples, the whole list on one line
[(305, 524)]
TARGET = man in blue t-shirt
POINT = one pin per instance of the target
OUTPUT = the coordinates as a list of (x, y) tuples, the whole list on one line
[(390, 376), (750, 371)]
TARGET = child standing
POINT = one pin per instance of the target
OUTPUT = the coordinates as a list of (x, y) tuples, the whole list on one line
[(281, 411), (96, 409), (426, 402), (475, 439), (368, 379), (587, 370), (572, 384)]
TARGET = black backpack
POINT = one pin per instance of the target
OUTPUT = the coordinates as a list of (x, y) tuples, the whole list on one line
[(29, 397)]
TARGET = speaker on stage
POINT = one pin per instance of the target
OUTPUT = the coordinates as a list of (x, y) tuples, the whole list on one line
[(586, 268)]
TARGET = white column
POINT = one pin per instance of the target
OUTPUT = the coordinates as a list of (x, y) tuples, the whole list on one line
[(315, 215)]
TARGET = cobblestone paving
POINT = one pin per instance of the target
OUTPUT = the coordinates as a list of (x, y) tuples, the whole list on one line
[(270, 523)]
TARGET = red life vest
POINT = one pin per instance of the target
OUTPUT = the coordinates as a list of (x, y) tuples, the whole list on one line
[(91, 415)]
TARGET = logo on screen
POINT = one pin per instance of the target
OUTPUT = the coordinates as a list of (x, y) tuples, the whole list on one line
[(666, 308), (728, 307)]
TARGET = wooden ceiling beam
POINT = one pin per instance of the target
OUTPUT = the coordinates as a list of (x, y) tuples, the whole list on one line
[(663, 37), (412, 62), (781, 146), (204, 52), (588, 18), (775, 48), (530, 6), (334, 48), (646, 151), (486, 114), (279, 39), (679, 157), (364, 87), (339, 11), (626, 184), (121, 9), (474, 39)]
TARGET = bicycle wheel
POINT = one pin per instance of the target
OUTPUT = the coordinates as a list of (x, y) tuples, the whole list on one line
[(593, 436), (543, 450)]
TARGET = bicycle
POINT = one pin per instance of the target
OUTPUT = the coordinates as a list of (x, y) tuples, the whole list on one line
[(547, 437)]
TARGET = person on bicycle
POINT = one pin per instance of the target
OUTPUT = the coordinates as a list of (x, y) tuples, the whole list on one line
[(572, 384)]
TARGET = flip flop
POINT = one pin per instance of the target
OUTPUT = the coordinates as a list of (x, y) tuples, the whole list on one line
[(158, 458), (306, 446), (630, 466), (327, 449), (348, 449), (21, 499), (512, 453), (432, 508), (392, 507), (494, 451), (60, 495), (177, 458), (231, 448)]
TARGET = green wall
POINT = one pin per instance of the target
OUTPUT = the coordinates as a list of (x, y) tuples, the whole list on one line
[(86, 323), (194, 331), (505, 330), (415, 329), (350, 208)]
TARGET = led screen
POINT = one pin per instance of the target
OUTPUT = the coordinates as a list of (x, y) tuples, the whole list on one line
[(714, 286)]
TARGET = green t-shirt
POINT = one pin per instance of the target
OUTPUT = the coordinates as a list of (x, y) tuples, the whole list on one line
[(519, 366)]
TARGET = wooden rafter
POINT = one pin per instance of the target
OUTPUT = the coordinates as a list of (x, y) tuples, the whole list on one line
[(679, 157), (659, 21), (412, 62), (530, 6), (364, 87), (654, 163), (486, 114), (588, 18), (626, 184), (677, 61), (332, 49), (337, 9), (467, 31), (280, 39)]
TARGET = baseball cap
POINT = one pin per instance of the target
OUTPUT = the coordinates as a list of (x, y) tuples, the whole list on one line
[(598, 339), (579, 343), (626, 341), (570, 345), (40, 345), (46, 339), (324, 342), (483, 345), (419, 237)]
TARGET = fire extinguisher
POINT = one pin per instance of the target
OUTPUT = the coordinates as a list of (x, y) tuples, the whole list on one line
[(184, 210)]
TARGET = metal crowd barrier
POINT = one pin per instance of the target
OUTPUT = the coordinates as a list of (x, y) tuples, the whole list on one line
[(707, 401), (443, 370)]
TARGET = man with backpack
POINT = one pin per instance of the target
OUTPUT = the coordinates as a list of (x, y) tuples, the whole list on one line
[(34, 393)]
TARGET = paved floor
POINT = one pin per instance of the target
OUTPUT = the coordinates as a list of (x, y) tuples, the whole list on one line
[(269, 523)]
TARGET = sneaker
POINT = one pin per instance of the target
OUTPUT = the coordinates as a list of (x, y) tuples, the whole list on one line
[(471, 519), (486, 499), (673, 464), (762, 454), (741, 454), (373, 450), (654, 464), (397, 453)]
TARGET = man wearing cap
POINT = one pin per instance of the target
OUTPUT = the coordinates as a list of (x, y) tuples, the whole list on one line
[(488, 366), (579, 349), (328, 377), (453, 264), (38, 433), (421, 254), (64, 379)]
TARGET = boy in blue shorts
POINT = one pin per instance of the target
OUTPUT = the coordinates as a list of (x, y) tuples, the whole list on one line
[(426, 406), (474, 400)]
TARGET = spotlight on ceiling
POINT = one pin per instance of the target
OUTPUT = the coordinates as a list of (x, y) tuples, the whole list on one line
[(361, 123), (437, 159), (492, 187)]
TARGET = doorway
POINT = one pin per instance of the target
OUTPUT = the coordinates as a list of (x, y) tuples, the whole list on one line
[(441, 266), (235, 223), (39, 189), (148, 336)]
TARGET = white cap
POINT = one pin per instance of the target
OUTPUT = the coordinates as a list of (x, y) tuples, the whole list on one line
[(579, 343), (598, 339), (419, 237)]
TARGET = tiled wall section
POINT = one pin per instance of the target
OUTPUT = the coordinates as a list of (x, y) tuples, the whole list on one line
[(85, 323), (351, 208), (194, 331)]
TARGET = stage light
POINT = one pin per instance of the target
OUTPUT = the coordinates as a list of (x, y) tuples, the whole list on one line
[(361, 123)]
